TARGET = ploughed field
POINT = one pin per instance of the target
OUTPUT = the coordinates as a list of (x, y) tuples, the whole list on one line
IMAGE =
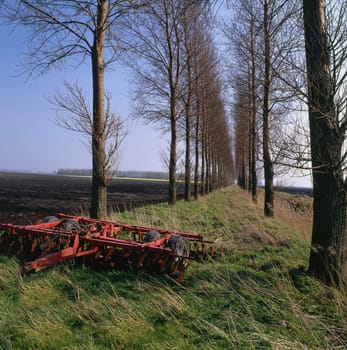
[(26, 198)]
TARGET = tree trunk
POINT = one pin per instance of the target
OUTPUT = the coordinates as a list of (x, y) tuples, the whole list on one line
[(203, 165), (197, 132), (254, 117), (242, 172), (207, 165), (196, 169), (250, 148), (173, 156), (188, 103), (214, 178), (189, 49), (268, 165), (172, 35), (329, 207), (99, 182), (220, 172), (187, 160)]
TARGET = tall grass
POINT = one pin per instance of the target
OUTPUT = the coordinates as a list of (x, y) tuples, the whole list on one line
[(256, 296), (296, 212)]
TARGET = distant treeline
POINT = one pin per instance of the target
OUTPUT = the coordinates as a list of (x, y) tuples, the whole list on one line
[(131, 173)]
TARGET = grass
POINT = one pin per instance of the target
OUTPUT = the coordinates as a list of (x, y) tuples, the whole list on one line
[(256, 296)]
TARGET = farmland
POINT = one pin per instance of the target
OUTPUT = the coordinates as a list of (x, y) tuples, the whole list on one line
[(25, 198)]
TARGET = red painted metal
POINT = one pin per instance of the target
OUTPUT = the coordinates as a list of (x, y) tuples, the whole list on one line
[(98, 242)]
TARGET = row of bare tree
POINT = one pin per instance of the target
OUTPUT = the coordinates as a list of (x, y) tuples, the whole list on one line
[(171, 51), (264, 37), (270, 40)]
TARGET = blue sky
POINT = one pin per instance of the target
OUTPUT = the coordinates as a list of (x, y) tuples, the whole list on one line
[(29, 139)]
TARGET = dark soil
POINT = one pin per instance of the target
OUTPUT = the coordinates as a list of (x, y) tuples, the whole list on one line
[(26, 198)]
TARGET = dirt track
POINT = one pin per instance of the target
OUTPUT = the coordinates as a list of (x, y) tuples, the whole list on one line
[(25, 198)]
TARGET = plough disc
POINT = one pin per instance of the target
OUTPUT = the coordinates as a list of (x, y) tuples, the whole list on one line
[(100, 244)]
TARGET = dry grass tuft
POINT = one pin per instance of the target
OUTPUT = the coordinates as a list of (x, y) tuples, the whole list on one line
[(296, 211)]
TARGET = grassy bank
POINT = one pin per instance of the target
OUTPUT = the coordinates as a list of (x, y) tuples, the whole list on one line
[(256, 296)]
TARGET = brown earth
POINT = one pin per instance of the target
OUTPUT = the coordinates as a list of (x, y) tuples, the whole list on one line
[(26, 198)]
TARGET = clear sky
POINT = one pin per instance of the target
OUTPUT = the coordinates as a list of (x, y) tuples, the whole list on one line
[(29, 138)]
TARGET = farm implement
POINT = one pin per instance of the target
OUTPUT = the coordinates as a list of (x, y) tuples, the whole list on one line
[(102, 244)]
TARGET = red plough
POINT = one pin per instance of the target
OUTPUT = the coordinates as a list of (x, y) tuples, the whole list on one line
[(102, 244)]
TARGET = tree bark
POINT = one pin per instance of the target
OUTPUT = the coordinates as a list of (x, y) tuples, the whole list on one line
[(250, 147), (207, 165), (197, 138), (214, 178), (99, 181), (268, 165), (187, 160), (172, 37), (242, 182), (187, 186), (173, 157), (329, 205), (254, 179), (203, 142)]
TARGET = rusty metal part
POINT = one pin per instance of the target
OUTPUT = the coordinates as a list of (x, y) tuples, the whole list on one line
[(101, 245)]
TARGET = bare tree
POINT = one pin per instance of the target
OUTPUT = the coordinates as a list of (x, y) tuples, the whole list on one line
[(241, 133), (221, 148), (268, 164), (80, 30), (204, 74), (156, 46), (74, 114), (216, 157), (190, 17), (326, 81), (276, 15), (243, 35), (253, 99), (195, 22), (260, 51)]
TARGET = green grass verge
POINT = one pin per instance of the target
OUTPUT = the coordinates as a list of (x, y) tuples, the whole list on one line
[(256, 296)]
